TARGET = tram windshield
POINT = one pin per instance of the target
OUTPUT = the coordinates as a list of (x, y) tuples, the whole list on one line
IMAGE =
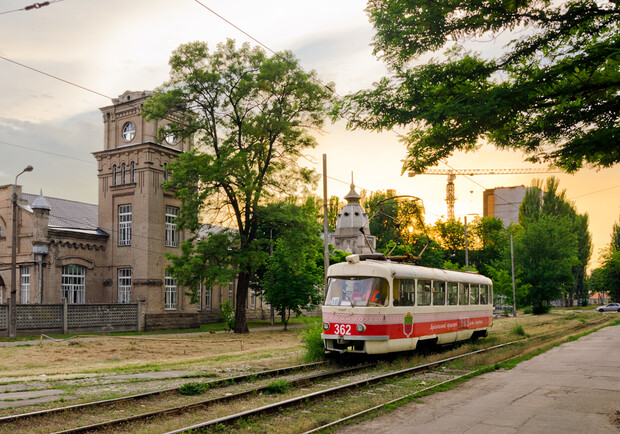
[(357, 291)]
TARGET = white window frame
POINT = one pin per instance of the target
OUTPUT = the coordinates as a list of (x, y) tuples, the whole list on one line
[(124, 225), (132, 172), (124, 285), (208, 298), (24, 279), (252, 299), (171, 294), (74, 284), (123, 173), (172, 235), (114, 170), (231, 292)]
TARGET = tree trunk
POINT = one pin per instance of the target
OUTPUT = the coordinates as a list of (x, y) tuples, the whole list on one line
[(243, 283)]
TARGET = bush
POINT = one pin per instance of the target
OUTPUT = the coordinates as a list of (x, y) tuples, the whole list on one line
[(278, 386), (315, 348), (518, 330), (228, 314), (540, 310), (527, 310), (191, 389)]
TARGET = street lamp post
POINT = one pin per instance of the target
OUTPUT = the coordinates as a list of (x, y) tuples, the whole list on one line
[(12, 301)]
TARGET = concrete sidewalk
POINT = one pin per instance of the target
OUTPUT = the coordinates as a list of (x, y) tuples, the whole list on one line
[(573, 388)]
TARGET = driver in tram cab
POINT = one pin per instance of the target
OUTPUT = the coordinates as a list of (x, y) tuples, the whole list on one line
[(375, 297)]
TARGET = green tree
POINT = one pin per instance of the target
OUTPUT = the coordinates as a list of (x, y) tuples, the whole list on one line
[(552, 92), (545, 253), (293, 278), (452, 235), (249, 115), (490, 241), (552, 202), (394, 218), (606, 279)]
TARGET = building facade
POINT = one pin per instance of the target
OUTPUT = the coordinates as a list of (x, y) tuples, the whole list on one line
[(503, 203), (115, 251)]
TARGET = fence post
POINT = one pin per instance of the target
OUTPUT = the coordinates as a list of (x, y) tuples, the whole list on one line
[(65, 317), (8, 316), (141, 315)]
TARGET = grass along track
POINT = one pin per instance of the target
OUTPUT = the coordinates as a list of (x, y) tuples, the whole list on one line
[(353, 403), (543, 331)]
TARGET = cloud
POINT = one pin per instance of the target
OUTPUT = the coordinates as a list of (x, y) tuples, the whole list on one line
[(60, 153)]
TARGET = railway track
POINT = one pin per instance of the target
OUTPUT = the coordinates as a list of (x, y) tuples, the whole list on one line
[(93, 406), (214, 412), (58, 419), (275, 407)]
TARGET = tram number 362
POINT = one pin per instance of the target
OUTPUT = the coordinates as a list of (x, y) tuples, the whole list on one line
[(342, 329)]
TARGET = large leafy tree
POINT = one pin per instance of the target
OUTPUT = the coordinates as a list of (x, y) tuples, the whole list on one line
[(249, 115), (545, 253), (607, 277), (552, 92), (553, 203), (394, 218)]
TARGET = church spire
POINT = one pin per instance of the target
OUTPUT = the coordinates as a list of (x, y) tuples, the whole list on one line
[(352, 196)]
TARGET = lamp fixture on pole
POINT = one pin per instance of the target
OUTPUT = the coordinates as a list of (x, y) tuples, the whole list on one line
[(12, 301)]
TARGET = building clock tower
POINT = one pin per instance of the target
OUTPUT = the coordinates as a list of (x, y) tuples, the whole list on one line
[(134, 209)]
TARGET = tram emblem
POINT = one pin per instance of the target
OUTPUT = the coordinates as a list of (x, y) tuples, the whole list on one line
[(408, 324)]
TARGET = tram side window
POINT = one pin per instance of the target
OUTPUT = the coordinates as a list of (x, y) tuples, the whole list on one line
[(453, 293), (404, 292), (484, 294), (463, 293), (473, 294), (439, 293), (424, 292)]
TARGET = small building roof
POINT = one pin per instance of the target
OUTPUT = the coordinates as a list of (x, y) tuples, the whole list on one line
[(67, 214)]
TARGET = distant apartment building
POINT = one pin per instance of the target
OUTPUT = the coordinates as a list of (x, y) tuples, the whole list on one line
[(503, 203)]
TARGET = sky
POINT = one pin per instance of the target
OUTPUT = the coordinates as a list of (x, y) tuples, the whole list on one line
[(110, 46)]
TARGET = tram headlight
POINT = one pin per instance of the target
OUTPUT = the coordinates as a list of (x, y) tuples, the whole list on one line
[(325, 326), (361, 328)]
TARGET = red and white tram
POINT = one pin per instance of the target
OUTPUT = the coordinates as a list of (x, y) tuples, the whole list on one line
[(376, 306)]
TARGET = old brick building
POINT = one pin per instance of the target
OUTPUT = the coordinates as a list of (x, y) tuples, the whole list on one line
[(112, 252)]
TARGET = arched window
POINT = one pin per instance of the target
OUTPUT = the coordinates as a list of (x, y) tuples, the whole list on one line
[(133, 172), (165, 171), (114, 175), (74, 283), (123, 172)]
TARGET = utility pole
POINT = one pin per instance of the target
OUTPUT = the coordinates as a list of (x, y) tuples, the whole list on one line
[(12, 301), (325, 225), (466, 247), (514, 294)]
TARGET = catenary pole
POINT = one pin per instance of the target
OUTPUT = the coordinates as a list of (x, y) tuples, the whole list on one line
[(512, 264), (325, 226)]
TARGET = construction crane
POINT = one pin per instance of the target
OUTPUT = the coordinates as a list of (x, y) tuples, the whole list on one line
[(451, 173)]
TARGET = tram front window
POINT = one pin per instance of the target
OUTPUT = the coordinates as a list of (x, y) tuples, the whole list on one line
[(357, 291)]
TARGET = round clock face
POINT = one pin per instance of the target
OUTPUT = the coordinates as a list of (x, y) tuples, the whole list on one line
[(171, 138), (129, 131)]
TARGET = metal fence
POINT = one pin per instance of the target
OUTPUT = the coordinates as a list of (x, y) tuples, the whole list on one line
[(74, 318)]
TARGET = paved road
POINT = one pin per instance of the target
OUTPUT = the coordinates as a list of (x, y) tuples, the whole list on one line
[(573, 388)]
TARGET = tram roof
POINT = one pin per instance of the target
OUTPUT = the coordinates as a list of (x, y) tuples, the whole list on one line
[(401, 270)]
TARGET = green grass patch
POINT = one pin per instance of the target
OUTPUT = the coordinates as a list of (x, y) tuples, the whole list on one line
[(314, 345), (277, 387), (192, 389)]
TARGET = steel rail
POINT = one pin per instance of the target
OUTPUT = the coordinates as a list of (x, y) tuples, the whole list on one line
[(294, 401), (208, 402), (213, 383)]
